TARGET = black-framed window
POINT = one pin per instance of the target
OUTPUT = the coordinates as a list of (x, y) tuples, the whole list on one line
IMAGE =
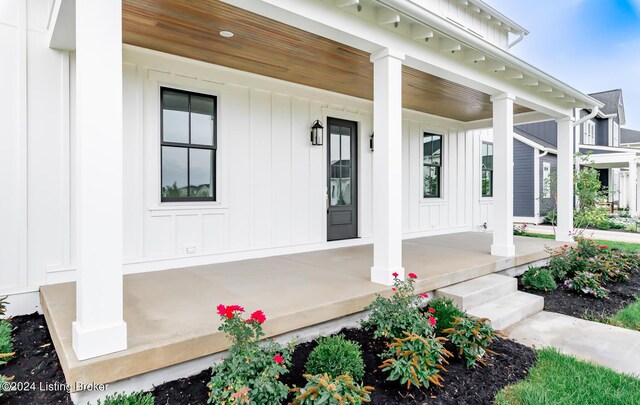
[(188, 145), (487, 169), (432, 165)]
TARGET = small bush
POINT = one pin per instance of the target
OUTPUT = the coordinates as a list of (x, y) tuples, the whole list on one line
[(6, 345), (587, 283), (336, 356), (538, 279), (446, 312), (136, 398), (250, 372), (561, 262), (324, 389), (520, 230), (472, 337), (415, 360), (391, 317)]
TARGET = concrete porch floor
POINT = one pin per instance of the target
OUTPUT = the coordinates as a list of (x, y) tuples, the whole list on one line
[(171, 315)]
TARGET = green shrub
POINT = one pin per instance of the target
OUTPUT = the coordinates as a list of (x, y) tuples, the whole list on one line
[(6, 345), (562, 263), (336, 356), (472, 337), (324, 389), (587, 283), (445, 311), (520, 230), (250, 372), (415, 360), (392, 316), (136, 398), (538, 279)]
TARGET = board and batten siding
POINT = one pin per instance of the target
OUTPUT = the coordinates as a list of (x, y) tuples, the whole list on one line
[(523, 180), (271, 183)]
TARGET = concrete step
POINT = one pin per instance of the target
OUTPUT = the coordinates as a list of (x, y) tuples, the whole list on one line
[(508, 310), (479, 291)]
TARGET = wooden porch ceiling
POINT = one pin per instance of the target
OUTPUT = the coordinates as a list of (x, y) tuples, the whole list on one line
[(191, 28)]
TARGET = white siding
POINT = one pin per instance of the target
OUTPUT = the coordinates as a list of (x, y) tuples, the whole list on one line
[(271, 181)]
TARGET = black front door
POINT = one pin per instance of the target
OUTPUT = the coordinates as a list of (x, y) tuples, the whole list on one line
[(342, 214)]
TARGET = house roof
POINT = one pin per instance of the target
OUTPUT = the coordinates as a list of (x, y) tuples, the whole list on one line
[(538, 141), (613, 103), (629, 136)]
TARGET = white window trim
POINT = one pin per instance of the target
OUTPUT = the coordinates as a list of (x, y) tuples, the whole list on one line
[(589, 133)]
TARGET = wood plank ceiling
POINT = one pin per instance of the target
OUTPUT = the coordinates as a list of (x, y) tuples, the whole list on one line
[(191, 28)]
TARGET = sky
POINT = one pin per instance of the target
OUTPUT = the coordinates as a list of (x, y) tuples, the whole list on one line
[(592, 45)]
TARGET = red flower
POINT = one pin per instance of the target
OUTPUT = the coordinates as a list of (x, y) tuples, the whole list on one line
[(565, 245), (393, 288), (578, 258), (424, 295), (432, 321), (278, 359), (258, 316), (412, 275), (395, 274), (229, 311), (603, 247), (221, 310), (433, 311)]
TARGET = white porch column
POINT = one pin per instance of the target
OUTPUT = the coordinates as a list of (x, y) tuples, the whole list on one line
[(564, 184), (503, 175), (387, 166), (632, 187), (99, 327)]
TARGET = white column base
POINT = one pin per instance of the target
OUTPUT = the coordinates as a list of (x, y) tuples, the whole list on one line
[(564, 235), (384, 276), (503, 250), (89, 343)]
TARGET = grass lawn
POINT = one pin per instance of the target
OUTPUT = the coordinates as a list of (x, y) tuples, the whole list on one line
[(560, 379), (628, 317)]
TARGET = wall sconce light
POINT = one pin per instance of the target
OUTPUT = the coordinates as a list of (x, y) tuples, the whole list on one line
[(371, 142), (316, 133)]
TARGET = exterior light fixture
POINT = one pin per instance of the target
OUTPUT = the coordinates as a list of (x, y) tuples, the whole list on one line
[(316, 133), (371, 142), (226, 34)]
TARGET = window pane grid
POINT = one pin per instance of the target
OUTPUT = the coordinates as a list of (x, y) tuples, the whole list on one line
[(200, 156), (432, 165), (487, 170)]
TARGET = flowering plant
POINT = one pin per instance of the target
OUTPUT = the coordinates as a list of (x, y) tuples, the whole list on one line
[(391, 316), (325, 389), (587, 283), (472, 337), (250, 372)]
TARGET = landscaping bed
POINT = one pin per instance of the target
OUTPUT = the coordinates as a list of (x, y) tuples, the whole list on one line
[(34, 365), (36, 362), (564, 301)]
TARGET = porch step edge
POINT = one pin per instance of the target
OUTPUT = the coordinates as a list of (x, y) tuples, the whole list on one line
[(509, 309), (479, 291)]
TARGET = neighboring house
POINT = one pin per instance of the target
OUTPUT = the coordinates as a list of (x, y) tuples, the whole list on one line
[(141, 136), (599, 137)]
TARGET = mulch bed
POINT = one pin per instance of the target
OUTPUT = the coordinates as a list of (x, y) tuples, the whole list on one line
[(35, 367), (36, 362), (566, 302)]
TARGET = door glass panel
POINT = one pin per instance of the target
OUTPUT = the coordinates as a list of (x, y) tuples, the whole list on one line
[(201, 173), (346, 150), (345, 187), (174, 172), (175, 116), (335, 145)]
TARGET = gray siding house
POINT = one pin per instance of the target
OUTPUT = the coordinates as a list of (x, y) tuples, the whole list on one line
[(610, 149)]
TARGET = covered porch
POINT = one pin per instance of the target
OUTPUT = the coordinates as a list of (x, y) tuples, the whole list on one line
[(171, 314), (455, 81)]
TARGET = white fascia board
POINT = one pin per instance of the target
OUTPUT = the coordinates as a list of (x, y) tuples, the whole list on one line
[(522, 118), (331, 22), (62, 25), (609, 148), (516, 28), (420, 14)]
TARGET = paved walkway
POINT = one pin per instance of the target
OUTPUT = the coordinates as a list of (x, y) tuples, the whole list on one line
[(610, 346), (591, 233)]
